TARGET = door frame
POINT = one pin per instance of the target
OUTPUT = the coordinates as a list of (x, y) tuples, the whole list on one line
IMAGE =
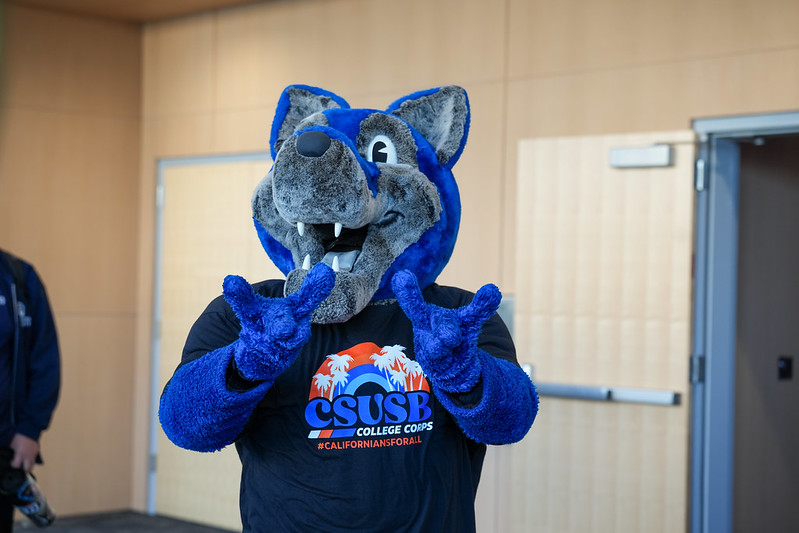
[(162, 166), (714, 311)]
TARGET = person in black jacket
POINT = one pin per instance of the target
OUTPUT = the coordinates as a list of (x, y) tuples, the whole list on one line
[(30, 371)]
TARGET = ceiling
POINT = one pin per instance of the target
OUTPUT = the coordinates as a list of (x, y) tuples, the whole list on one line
[(138, 11)]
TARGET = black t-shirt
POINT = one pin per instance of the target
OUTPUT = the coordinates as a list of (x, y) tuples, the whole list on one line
[(351, 437)]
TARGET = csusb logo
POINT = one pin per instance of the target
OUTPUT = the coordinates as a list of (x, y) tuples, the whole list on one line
[(368, 391)]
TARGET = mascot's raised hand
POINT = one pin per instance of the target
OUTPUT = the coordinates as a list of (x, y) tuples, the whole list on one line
[(273, 330), (445, 340)]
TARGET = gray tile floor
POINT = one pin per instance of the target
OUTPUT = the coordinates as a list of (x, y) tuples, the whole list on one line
[(117, 522)]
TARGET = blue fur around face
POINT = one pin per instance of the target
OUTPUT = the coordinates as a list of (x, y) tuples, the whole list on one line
[(279, 254), (428, 256)]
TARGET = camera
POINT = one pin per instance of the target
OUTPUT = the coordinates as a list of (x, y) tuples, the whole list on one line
[(27, 496)]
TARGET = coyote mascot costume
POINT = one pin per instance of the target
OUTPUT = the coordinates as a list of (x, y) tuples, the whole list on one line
[(360, 394)]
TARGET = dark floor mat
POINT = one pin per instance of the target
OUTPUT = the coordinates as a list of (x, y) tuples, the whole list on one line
[(118, 522)]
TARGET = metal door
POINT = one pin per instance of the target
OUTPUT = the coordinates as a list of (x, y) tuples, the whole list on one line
[(716, 317)]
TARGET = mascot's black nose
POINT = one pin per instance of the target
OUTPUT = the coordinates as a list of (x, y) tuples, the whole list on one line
[(313, 143)]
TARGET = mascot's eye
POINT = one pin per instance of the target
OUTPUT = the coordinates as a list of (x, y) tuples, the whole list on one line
[(381, 150)]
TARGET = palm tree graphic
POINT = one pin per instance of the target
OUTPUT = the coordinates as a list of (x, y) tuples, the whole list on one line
[(394, 354), (339, 362), (339, 381), (413, 370), (403, 360), (323, 382), (383, 361), (398, 377)]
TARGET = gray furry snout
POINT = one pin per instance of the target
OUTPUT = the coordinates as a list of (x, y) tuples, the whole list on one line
[(320, 180)]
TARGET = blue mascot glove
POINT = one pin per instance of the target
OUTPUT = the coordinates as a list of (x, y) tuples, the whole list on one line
[(445, 340), (273, 330)]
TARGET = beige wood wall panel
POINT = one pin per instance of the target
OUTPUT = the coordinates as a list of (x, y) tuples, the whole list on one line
[(243, 130), (67, 63), (603, 298), (87, 450), (66, 202), (653, 97), (355, 47), (207, 234), (177, 136), (547, 38), (178, 68)]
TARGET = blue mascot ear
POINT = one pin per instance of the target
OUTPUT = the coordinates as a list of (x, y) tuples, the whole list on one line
[(296, 103), (442, 117)]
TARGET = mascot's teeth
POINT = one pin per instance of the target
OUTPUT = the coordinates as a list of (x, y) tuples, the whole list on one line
[(301, 228), (341, 261), (306, 264), (337, 229)]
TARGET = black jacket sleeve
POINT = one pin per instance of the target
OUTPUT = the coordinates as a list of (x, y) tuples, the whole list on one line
[(39, 369)]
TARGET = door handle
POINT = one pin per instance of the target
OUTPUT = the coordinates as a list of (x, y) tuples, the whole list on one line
[(609, 394)]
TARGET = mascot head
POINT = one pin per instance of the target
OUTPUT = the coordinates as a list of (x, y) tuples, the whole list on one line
[(368, 192)]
